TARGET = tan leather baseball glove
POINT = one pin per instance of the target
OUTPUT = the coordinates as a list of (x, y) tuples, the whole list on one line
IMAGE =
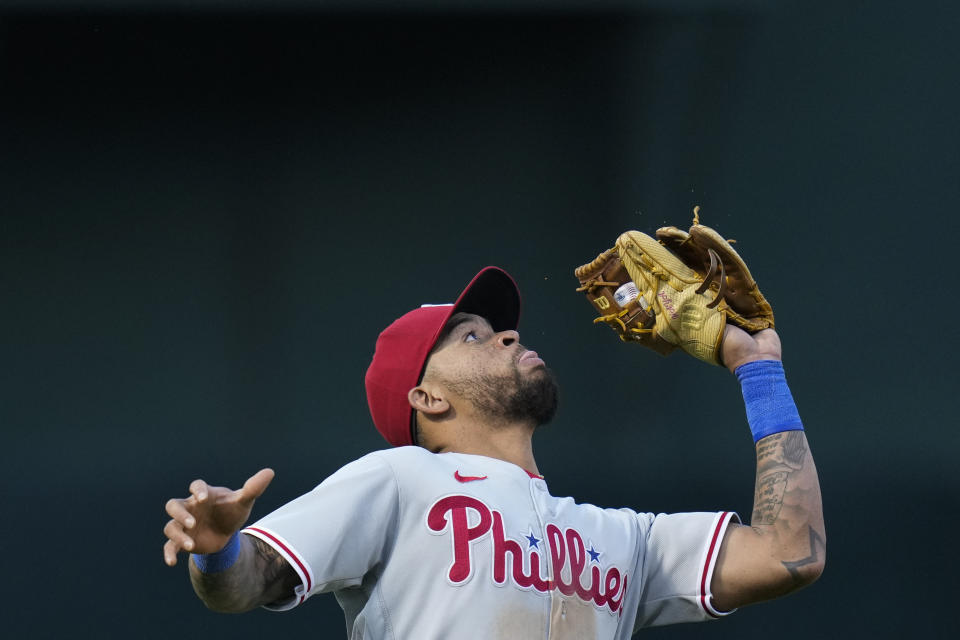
[(679, 290)]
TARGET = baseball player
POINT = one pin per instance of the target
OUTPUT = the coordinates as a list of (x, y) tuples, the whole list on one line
[(453, 533)]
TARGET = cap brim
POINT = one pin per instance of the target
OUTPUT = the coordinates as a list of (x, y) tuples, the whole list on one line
[(492, 294)]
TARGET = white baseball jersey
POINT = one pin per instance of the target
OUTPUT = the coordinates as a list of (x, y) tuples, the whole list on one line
[(437, 546)]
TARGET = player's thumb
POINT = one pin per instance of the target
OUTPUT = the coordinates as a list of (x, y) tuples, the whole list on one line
[(256, 484)]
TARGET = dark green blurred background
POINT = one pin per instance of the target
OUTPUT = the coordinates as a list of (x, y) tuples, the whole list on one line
[(207, 215)]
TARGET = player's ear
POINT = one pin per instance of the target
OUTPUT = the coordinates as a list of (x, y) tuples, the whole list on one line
[(427, 400)]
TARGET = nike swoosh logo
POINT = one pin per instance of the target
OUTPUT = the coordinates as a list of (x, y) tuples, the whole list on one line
[(460, 478)]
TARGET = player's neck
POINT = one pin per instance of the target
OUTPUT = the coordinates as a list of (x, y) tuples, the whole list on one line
[(510, 443)]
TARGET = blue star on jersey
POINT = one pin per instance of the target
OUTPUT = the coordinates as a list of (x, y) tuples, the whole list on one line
[(594, 554), (534, 541)]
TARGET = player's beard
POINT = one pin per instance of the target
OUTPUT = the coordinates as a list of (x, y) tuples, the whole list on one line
[(530, 398)]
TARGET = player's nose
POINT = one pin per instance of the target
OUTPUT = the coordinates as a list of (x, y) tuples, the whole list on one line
[(508, 338)]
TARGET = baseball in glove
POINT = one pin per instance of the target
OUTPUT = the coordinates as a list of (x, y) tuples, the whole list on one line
[(678, 290)]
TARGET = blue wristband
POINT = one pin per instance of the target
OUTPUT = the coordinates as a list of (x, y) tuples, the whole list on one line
[(220, 560), (770, 406)]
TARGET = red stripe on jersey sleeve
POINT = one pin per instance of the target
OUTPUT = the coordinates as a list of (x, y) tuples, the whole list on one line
[(290, 553), (713, 549)]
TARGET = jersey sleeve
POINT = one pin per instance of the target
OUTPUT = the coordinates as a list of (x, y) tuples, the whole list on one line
[(678, 560), (335, 534)]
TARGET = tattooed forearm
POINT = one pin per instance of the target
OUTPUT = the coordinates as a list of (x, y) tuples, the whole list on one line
[(786, 506), (778, 457), (768, 445), (259, 576), (769, 497), (794, 448)]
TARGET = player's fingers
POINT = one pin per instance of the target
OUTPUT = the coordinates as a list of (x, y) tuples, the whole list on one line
[(170, 550), (179, 512), (199, 490), (256, 484), (177, 535)]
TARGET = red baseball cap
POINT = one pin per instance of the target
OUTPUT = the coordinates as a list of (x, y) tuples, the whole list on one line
[(403, 347)]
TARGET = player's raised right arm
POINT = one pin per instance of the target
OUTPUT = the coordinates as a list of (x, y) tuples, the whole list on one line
[(784, 548), (232, 572)]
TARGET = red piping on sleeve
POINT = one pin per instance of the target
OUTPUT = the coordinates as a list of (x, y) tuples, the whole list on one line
[(290, 553), (714, 547)]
